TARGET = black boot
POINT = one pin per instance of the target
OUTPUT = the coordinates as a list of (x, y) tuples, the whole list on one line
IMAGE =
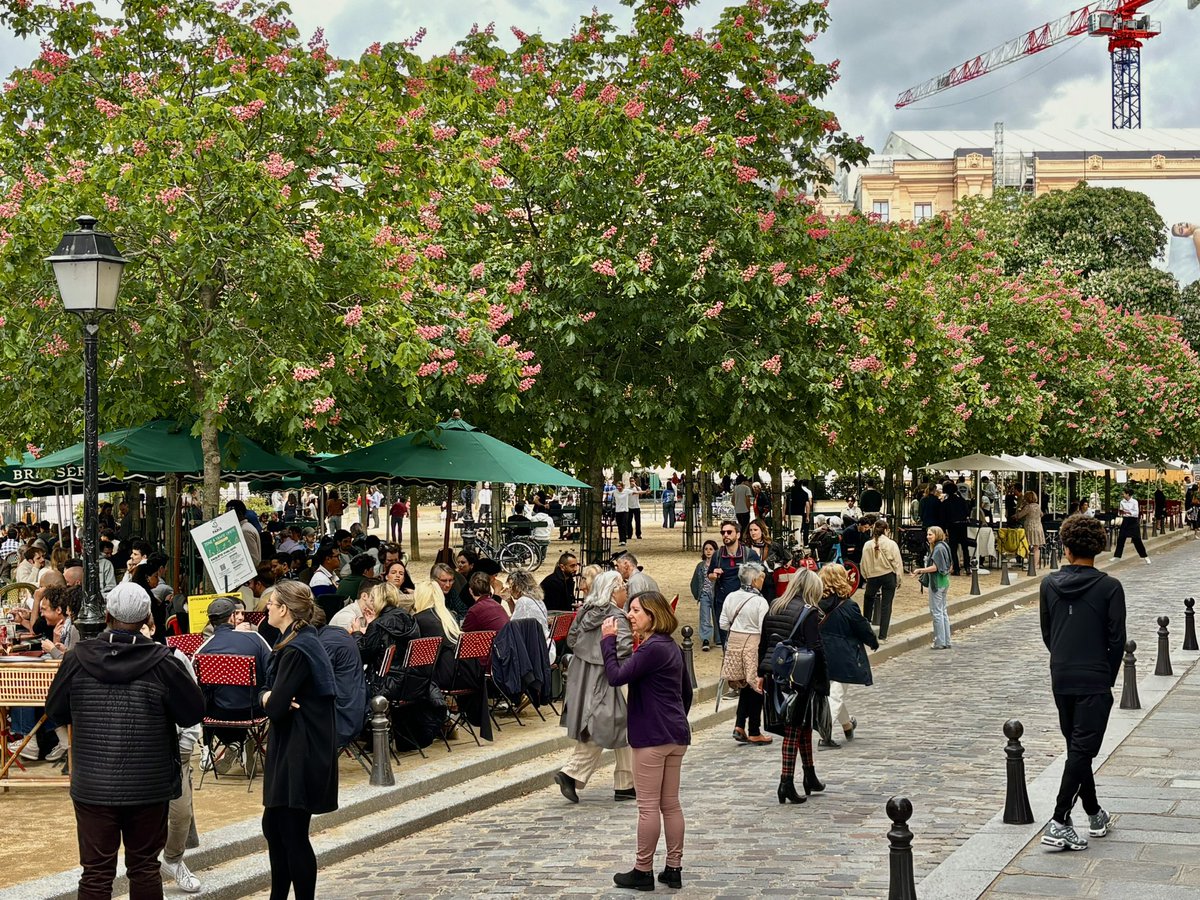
[(812, 784), (787, 791), (671, 876), (636, 879)]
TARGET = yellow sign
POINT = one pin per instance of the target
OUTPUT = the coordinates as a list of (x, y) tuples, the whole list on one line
[(198, 609)]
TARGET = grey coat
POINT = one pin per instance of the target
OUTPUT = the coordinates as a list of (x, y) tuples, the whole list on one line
[(593, 710)]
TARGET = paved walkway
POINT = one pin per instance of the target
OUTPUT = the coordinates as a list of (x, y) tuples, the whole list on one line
[(929, 729)]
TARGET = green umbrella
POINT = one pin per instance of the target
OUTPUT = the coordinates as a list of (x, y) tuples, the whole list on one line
[(453, 451), (28, 475), (163, 447)]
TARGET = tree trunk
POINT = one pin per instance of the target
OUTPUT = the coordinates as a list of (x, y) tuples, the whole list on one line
[(592, 531), (778, 513), (211, 452), (414, 542)]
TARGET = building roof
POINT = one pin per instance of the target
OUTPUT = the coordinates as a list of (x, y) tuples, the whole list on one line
[(1083, 141)]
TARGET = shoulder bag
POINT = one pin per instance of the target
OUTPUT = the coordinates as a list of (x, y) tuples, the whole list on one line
[(792, 665)]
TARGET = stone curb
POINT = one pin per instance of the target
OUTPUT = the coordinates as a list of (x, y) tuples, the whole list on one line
[(410, 806), (971, 869)]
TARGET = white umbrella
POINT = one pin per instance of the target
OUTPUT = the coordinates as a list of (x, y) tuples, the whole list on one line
[(982, 462)]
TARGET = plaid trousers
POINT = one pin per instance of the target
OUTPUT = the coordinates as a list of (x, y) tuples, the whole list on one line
[(796, 738)]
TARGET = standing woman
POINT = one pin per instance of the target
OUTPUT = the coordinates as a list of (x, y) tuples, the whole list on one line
[(594, 712), (301, 777), (1030, 516), (660, 695), (668, 505), (882, 566), (742, 616), (844, 632), (702, 590), (757, 536), (792, 714), (937, 579), (1130, 516)]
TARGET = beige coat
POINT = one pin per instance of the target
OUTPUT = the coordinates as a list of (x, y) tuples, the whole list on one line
[(881, 558)]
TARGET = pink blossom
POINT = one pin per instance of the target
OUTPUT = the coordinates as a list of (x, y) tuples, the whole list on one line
[(429, 368), (728, 364), (312, 243), (571, 155), (587, 316), (715, 310), (766, 220), (444, 132), (463, 334), (353, 316), (482, 209), (484, 78), (430, 332), (744, 173), (329, 363), (476, 378), (866, 364), (524, 355), (689, 75), (645, 261), (745, 140), (634, 108), (449, 368), (579, 92), (110, 110), (498, 316), (249, 111), (747, 443), (773, 365), (529, 371), (750, 271), (501, 181), (55, 347), (818, 234), (476, 271), (525, 384), (604, 267), (170, 196), (310, 423), (435, 251), (304, 373)]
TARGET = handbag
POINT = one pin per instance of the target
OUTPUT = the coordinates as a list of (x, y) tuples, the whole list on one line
[(792, 665)]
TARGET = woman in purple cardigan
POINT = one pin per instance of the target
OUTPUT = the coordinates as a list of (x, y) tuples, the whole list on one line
[(660, 695)]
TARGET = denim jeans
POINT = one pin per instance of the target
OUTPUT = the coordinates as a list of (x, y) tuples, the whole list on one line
[(939, 599), (668, 510), (706, 616)]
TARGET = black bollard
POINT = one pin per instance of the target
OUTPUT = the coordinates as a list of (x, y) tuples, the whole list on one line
[(688, 661), (1005, 578), (1031, 571), (381, 764), (1189, 625), (1054, 557), (903, 885), (1162, 665), (975, 591), (1145, 533), (1129, 692), (1017, 810)]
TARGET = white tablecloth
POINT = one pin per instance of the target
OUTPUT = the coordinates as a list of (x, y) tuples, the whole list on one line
[(985, 541)]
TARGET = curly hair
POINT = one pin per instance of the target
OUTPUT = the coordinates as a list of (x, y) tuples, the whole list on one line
[(1083, 536)]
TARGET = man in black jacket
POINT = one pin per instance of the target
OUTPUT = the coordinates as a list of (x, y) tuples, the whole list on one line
[(1083, 626), (558, 587), (124, 695)]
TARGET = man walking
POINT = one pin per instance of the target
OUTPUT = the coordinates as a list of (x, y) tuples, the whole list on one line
[(723, 568), (124, 695), (742, 499), (1083, 626), (621, 508)]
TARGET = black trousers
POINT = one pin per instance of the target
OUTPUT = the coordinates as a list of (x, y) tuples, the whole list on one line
[(1130, 529), (636, 515), (957, 535), (293, 862), (101, 831), (743, 522), (884, 588), (749, 710), (1083, 719), (622, 527)]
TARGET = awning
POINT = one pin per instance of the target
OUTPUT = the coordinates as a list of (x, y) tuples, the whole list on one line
[(982, 462), (1161, 465), (1097, 465)]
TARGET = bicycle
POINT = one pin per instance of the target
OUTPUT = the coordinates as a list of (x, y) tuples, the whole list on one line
[(513, 556)]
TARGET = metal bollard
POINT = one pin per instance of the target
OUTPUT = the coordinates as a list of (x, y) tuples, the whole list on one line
[(1189, 625), (1163, 664), (1145, 532), (1129, 691), (1031, 571), (975, 591), (1054, 557), (1017, 810), (688, 650), (1005, 577), (902, 885), (381, 739)]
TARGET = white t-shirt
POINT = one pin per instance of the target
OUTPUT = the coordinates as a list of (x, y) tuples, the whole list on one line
[(1129, 507), (485, 497), (542, 523), (635, 498), (375, 499), (621, 499), (749, 610)]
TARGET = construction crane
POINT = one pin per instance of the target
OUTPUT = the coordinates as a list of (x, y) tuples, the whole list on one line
[(1120, 22)]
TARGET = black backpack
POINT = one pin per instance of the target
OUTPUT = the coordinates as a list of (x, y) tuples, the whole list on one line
[(792, 665)]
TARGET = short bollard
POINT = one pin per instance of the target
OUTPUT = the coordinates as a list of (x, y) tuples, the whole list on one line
[(381, 739), (1005, 577), (1017, 810), (1163, 665), (1189, 625), (1129, 693), (688, 650), (902, 885), (1031, 571), (1054, 557), (1145, 530), (975, 591)]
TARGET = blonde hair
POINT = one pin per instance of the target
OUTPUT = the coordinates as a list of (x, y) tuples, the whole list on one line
[(587, 578), (835, 578), (297, 598), (804, 583), (429, 596), (937, 532), (385, 595)]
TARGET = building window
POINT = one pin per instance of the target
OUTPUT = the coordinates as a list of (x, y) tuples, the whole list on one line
[(922, 211), (881, 210)]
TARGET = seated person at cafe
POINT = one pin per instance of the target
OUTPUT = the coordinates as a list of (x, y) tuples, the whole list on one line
[(227, 701), (559, 586), (350, 684), (360, 568), (486, 613), (352, 612), (444, 576)]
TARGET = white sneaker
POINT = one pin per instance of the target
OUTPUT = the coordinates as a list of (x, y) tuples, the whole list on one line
[(1146, 560), (182, 876), (59, 751), (30, 753)]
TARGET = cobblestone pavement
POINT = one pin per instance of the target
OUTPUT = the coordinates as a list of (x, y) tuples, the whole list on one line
[(1151, 786), (929, 729)]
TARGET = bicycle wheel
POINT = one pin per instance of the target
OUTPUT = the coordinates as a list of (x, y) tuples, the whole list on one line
[(516, 556)]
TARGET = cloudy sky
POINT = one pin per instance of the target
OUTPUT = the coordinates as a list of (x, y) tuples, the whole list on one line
[(885, 46)]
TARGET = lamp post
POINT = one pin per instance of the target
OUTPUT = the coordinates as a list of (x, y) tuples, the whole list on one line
[(88, 267)]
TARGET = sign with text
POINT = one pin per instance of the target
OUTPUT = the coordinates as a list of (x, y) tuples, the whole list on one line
[(198, 609), (223, 548)]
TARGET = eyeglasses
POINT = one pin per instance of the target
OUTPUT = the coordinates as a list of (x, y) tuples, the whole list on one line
[(727, 531)]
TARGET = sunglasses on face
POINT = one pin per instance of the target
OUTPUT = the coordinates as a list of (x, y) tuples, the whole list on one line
[(728, 532)]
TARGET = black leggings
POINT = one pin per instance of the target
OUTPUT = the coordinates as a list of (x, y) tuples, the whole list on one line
[(749, 710), (293, 863)]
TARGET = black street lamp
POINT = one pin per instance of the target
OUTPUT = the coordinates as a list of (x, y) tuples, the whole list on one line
[(88, 267)]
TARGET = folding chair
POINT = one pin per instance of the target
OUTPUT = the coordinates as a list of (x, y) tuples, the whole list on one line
[(223, 670), (514, 703), (420, 658), (188, 644), (255, 618), (560, 626), (358, 747), (473, 646)]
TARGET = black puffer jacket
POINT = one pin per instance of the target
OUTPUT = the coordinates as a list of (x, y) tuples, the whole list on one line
[(777, 626), (124, 695)]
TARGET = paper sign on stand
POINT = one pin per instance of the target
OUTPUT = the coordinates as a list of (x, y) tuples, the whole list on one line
[(223, 549), (198, 609)]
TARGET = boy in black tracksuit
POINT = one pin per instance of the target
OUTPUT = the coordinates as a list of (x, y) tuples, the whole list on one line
[(1083, 625)]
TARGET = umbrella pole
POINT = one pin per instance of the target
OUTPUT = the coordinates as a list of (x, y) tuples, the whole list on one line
[(449, 515)]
